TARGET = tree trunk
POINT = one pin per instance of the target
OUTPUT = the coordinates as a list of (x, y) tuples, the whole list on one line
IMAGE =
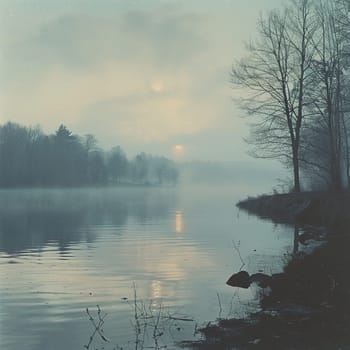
[(296, 171)]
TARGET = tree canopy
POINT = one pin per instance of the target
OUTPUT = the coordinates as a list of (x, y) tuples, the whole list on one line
[(28, 157)]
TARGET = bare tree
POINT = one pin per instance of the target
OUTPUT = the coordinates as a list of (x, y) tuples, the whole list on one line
[(343, 26), (328, 141), (275, 75)]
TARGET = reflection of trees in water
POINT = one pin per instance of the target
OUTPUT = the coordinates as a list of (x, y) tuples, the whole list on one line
[(31, 219), (152, 205), (25, 229)]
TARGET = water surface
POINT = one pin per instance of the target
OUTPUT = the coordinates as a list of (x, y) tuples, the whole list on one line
[(64, 250)]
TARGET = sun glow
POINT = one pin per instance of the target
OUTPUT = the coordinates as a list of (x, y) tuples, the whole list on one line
[(178, 150), (157, 86)]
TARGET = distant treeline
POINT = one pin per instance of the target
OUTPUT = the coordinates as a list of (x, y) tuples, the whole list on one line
[(29, 157)]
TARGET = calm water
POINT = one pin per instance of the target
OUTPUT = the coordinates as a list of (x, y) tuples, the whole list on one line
[(64, 250)]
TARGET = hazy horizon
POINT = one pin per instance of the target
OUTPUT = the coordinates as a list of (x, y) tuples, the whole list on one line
[(148, 76)]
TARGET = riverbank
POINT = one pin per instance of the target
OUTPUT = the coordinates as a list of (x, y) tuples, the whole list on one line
[(308, 307), (315, 208)]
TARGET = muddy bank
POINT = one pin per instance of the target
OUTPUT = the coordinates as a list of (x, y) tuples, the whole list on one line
[(308, 306), (318, 208)]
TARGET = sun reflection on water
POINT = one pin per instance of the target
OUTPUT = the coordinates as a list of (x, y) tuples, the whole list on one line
[(156, 289), (179, 222)]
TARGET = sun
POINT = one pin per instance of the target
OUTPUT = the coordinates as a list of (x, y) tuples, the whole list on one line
[(157, 86), (178, 150)]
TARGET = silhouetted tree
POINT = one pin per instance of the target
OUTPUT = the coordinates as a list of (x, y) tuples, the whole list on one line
[(14, 140), (117, 164), (164, 170), (28, 157), (69, 158), (97, 168), (276, 74), (326, 148), (140, 168)]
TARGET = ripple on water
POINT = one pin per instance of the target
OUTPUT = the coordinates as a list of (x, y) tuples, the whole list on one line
[(61, 252)]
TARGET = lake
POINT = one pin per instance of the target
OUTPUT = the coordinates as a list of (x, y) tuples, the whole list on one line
[(62, 251)]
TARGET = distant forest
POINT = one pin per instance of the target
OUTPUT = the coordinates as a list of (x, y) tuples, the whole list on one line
[(29, 157)]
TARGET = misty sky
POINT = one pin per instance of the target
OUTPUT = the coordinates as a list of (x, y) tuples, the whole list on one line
[(144, 74)]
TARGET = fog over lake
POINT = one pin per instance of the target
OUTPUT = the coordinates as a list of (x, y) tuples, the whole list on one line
[(62, 251)]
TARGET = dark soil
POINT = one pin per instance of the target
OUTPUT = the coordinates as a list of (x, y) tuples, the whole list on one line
[(318, 208)]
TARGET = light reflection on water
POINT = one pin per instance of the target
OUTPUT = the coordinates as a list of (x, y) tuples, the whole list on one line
[(178, 222), (64, 250)]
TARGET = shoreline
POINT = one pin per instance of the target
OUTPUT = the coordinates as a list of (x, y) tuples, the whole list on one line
[(315, 208), (309, 306)]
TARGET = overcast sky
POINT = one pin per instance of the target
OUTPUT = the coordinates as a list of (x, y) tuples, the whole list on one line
[(143, 74)]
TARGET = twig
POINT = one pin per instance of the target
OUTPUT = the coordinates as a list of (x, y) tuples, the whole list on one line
[(220, 307), (178, 318), (97, 327), (235, 246)]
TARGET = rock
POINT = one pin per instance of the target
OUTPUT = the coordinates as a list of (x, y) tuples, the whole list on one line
[(240, 279), (243, 280)]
